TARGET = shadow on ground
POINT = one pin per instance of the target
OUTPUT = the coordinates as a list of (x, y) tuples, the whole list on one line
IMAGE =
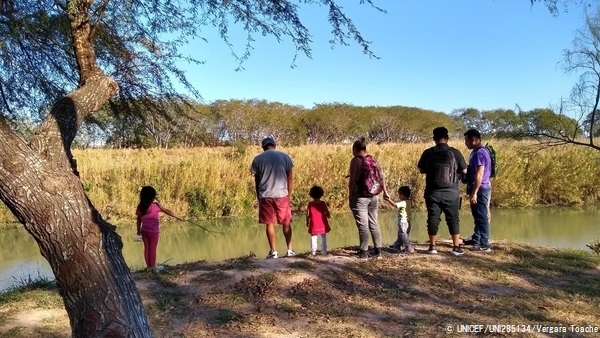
[(401, 295)]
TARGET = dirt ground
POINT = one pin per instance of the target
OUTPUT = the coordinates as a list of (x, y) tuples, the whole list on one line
[(513, 288)]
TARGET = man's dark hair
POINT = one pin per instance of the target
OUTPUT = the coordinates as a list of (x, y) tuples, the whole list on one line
[(473, 134), (440, 133), (316, 192), (404, 191)]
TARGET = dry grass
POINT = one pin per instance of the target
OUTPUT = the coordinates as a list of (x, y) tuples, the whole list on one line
[(210, 182), (34, 310)]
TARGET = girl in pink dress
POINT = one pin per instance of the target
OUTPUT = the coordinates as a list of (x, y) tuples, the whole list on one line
[(147, 224), (317, 214)]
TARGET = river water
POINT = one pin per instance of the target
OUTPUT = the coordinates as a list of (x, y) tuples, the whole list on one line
[(558, 227)]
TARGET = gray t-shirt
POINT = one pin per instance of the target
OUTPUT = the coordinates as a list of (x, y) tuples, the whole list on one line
[(271, 168)]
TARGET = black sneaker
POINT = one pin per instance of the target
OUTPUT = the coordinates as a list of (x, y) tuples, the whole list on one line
[(432, 250), (468, 242), (408, 249), (363, 254), (482, 248), (378, 254), (457, 251), (393, 248)]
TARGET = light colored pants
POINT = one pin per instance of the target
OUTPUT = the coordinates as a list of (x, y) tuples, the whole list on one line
[(313, 243), (364, 210), (402, 241)]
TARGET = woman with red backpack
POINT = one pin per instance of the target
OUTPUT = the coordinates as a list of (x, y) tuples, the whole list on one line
[(364, 185)]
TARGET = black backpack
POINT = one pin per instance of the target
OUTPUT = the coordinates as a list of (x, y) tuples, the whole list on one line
[(441, 168), (494, 169)]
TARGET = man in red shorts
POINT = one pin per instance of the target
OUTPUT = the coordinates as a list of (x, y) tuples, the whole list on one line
[(273, 178)]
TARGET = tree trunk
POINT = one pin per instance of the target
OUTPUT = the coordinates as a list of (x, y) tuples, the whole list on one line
[(40, 184), (42, 190)]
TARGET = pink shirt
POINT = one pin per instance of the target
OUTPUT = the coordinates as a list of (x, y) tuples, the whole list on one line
[(150, 219), (319, 224)]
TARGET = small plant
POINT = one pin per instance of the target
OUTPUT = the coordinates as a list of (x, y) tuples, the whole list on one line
[(25, 284), (211, 276), (302, 265), (594, 246), (245, 262), (225, 316), (34, 283)]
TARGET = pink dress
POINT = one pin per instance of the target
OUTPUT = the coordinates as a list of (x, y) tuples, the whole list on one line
[(319, 224), (150, 219)]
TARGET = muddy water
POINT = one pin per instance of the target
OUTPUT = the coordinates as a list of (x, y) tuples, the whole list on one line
[(182, 242)]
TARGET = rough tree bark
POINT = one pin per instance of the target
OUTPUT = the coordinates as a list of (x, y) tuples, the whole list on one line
[(39, 183)]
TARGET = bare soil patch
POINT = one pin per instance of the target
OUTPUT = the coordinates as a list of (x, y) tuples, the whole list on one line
[(339, 296)]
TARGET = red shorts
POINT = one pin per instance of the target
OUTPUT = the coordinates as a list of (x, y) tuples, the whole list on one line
[(274, 209)]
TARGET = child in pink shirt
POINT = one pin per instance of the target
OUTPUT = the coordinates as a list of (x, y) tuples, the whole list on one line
[(147, 224), (317, 214)]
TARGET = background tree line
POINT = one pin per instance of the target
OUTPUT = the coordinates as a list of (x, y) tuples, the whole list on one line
[(227, 122)]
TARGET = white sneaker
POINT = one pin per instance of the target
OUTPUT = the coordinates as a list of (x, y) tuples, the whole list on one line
[(291, 253), (272, 254)]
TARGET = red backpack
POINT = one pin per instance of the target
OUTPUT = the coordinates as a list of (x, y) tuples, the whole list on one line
[(370, 179)]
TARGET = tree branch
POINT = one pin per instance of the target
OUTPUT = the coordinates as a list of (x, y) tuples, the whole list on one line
[(551, 140), (101, 10), (593, 113), (85, 55), (4, 100), (56, 134)]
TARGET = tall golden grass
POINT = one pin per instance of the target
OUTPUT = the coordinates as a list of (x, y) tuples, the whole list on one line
[(211, 182)]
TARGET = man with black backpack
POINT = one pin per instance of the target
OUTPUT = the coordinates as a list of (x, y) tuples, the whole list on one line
[(443, 167)]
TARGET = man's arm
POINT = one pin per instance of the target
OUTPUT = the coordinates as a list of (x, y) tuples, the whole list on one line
[(462, 164), (254, 171), (256, 186), (421, 163), (290, 181), (477, 184)]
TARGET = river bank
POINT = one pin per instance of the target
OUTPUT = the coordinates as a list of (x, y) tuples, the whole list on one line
[(339, 296)]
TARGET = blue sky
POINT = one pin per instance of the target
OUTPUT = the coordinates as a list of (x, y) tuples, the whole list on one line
[(438, 55)]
